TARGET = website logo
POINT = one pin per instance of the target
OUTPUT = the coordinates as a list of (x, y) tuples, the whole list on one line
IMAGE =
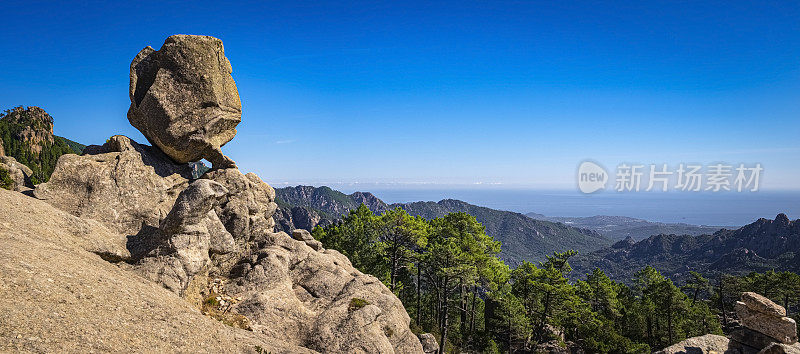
[(591, 177)]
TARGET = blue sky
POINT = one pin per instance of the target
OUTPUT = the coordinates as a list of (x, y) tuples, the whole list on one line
[(509, 92)]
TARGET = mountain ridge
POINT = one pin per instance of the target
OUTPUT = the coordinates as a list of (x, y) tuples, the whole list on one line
[(523, 238), (760, 246)]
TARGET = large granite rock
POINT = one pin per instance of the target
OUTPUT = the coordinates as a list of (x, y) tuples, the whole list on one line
[(191, 233), (318, 300), (246, 211), (761, 304), (429, 344), (126, 186), (709, 343), (184, 99), (783, 329), (20, 174), (781, 348), (60, 297)]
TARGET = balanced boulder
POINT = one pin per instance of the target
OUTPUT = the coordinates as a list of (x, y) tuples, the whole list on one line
[(184, 99)]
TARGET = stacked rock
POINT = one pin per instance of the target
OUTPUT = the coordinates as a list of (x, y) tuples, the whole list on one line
[(305, 236), (766, 327)]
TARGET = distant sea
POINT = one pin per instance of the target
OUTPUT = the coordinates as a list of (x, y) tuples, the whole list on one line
[(704, 208)]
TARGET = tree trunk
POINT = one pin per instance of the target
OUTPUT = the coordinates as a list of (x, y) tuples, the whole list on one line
[(544, 315), (438, 306), (508, 339), (669, 322), (472, 313), (722, 302), (445, 308), (786, 303), (419, 293), (463, 308), (393, 275)]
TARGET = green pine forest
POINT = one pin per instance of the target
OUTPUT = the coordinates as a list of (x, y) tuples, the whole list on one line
[(450, 280)]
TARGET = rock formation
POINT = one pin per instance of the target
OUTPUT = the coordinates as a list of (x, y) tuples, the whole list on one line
[(184, 99), (190, 236), (28, 134), (20, 174), (62, 297), (128, 186), (305, 236), (36, 127), (191, 232), (766, 329), (764, 322), (709, 343), (429, 344)]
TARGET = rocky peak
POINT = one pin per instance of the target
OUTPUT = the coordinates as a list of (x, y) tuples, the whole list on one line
[(782, 219), (370, 200), (628, 242), (31, 125)]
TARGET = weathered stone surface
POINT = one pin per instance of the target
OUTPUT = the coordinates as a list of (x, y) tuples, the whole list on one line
[(19, 173), (192, 232), (184, 99), (291, 291), (783, 329), (246, 211), (26, 214), (305, 236), (429, 344), (62, 298), (761, 304), (781, 348), (126, 186), (709, 343)]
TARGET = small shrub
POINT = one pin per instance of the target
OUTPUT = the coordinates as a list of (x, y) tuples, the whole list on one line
[(5, 179), (357, 303), (211, 300)]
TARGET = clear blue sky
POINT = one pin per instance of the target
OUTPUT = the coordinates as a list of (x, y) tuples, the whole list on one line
[(510, 92)]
